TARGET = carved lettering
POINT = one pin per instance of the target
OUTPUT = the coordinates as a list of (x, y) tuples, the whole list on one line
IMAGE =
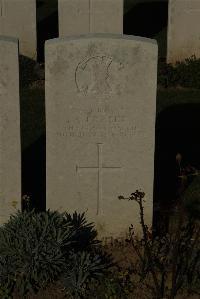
[(99, 122)]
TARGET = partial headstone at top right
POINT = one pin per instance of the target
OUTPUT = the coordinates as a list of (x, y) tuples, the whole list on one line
[(90, 16), (183, 30)]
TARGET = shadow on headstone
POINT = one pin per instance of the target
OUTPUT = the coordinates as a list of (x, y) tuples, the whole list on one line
[(146, 19), (47, 24), (27, 71), (177, 131), (32, 118), (34, 174)]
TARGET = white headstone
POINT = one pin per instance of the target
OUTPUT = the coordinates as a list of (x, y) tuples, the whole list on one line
[(10, 156), (100, 120), (18, 19), (183, 30), (90, 16)]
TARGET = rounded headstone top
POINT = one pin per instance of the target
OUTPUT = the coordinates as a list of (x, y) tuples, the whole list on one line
[(102, 36)]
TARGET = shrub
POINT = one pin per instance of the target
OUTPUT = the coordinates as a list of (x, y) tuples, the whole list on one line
[(36, 249), (84, 233), (191, 198), (170, 263), (84, 269), (32, 244), (185, 73), (119, 284)]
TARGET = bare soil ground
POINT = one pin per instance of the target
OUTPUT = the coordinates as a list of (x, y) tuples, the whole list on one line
[(125, 257)]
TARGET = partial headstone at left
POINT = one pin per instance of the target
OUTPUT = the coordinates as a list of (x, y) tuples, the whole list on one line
[(10, 156), (18, 19)]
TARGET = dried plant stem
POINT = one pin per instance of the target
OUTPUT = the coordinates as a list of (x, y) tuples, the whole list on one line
[(148, 250)]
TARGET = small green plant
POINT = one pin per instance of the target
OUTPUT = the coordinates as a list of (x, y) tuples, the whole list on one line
[(85, 234), (188, 187), (166, 263), (83, 269), (114, 284)]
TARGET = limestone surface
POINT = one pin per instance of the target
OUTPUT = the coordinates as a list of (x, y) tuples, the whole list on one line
[(18, 19), (10, 155), (183, 30), (100, 122), (90, 16)]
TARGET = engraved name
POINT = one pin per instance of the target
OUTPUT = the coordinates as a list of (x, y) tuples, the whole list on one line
[(99, 122)]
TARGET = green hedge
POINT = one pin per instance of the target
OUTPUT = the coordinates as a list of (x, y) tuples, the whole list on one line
[(185, 73)]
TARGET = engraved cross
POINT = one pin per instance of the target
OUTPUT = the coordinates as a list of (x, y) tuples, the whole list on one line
[(100, 169)]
